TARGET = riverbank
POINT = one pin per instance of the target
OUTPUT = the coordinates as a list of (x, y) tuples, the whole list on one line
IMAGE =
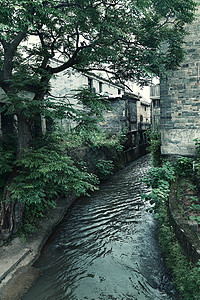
[(180, 210), (17, 257)]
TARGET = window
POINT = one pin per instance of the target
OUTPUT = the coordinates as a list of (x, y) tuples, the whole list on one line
[(90, 83), (100, 87), (156, 103), (119, 92)]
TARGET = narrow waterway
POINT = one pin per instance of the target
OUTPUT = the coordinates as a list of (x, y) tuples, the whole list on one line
[(106, 247)]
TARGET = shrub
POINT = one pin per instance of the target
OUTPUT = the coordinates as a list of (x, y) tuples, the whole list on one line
[(184, 166), (45, 174), (154, 138), (104, 168)]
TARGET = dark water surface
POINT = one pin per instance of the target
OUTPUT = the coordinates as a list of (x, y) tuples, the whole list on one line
[(106, 247)]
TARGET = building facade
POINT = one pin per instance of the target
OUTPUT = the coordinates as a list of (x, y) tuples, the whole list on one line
[(128, 112)]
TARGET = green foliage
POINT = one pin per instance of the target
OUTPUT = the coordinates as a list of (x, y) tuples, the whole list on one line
[(94, 138), (193, 198), (86, 35), (104, 168), (158, 174), (185, 275), (197, 159), (112, 142), (31, 214), (45, 174), (154, 138), (184, 167), (159, 178), (195, 218), (7, 158)]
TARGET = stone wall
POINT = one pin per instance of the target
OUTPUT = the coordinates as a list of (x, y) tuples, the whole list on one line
[(123, 115), (187, 237), (180, 99)]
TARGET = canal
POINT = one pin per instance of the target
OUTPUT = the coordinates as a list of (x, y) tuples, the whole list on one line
[(106, 247)]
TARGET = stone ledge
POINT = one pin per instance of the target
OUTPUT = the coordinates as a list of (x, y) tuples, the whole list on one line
[(11, 264), (187, 237), (18, 257)]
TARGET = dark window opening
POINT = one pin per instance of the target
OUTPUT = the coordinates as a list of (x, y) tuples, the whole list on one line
[(156, 103), (90, 83), (100, 87)]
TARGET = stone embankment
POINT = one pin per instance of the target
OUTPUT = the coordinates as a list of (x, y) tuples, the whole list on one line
[(17, 257), (186, 231)]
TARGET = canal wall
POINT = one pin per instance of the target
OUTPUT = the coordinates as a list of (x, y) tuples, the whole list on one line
[(186, 232), (92, 155)]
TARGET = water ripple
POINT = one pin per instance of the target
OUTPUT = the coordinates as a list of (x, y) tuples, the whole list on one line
[(105, 247)]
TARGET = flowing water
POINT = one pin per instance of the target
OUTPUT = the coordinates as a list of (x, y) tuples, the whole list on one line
[(106, 247)]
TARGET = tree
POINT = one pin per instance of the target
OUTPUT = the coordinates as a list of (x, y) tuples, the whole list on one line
[(39, 39)]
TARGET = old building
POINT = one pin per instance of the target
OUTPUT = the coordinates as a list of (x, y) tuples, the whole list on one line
[(67, 85), (129, 112), (180, 99), (143, 113)]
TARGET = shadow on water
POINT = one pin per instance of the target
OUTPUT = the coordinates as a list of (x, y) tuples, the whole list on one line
[(106, 247)]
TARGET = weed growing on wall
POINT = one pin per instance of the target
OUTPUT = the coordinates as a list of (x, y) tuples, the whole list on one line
[(154, 138), (184, 167), (159, 178), (186, 276)]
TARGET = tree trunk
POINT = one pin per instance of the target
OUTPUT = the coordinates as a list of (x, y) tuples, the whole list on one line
[(24, 134), (11, 210)]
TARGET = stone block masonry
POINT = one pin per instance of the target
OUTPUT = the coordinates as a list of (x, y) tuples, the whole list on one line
[(187, 237), (180, 99)]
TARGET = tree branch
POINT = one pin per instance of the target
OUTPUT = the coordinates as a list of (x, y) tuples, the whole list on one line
[(17, 40)]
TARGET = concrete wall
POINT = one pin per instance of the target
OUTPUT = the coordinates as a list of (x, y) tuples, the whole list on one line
[(180, 100)]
